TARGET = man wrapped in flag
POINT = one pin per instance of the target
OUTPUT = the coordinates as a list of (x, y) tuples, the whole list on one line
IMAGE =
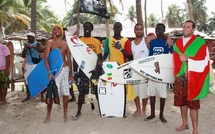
[(192, 77)]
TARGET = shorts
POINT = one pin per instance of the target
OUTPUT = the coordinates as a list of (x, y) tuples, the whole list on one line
[(157, 87), (4, 80), (141, 90), (28, 69), (62, 82), (181, 94), (83, 84)]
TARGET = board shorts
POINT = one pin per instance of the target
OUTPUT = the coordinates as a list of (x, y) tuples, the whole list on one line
[(62, 81), (181, 94), (83, 84), (141, 90), (4, 80), (28, 69), (157, 87)]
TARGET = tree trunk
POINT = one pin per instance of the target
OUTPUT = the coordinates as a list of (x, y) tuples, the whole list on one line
[(106, 21), (145, 10), (33, 16), (78, 18), (190, 9), (139, 12), (162, 11), (1, 33)]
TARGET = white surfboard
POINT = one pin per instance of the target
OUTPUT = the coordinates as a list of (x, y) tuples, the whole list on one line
[(85, 57), (111, 96), (157, 67), (212, 80), (123, 74)]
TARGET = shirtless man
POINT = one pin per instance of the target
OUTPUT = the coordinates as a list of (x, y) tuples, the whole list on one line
[(66, 73)]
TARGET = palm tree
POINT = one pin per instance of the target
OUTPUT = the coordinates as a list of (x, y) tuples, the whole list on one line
[(131, 14), (139, 12), (175, 16), (152, 20), (13, 16), (199, 11), (33, 16), (212, 22), (162, 11), (145, 11), (190, 9)]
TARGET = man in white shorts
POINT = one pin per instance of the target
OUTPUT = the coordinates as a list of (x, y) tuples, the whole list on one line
[(158, 46), (139, 50), (32, 49), (65, 75)]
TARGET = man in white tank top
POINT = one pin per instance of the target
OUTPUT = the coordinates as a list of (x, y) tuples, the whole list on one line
[(139, 50)]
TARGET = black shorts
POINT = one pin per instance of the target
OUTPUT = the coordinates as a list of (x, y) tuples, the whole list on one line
[(83, 84)]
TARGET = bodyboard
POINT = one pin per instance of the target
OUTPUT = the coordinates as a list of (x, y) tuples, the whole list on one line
[(111, 96), (38, 78), (157, 67), (212, 81)]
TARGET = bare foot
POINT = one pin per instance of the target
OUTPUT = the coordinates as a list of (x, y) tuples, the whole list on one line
[(4, 103), (77, 116), (181, 128), (149, 118), (26, 99), (47, 120), (136, 113), (72, 100), (65, 119), (143, 113), (42, 100), (163, 119)]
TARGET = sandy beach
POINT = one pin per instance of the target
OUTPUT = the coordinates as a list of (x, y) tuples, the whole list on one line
[(28, 117)]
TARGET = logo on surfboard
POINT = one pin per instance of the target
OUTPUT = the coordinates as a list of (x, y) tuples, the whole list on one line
[(102, 90), (88, 49), (75, 41), (157, 67), (127, 73)]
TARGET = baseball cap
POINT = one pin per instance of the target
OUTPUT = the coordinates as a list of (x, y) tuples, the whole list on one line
[(151, 34), (31, 34)]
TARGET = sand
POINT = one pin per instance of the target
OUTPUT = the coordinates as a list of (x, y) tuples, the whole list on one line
[(28, 117)]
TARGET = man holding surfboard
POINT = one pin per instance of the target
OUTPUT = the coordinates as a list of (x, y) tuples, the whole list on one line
[(139, 48), (31, 50), (81, 79), (118, 48), (192, 76), (158, 46), (66, 73), (4, 72)]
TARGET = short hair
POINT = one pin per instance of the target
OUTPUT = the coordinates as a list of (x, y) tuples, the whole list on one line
[(65, 29), (117, 23), (89, 24), (138, 25), (161, 24), (193, 23)]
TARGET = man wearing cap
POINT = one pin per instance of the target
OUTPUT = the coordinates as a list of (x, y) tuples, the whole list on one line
[(66, 73), (32, 49)]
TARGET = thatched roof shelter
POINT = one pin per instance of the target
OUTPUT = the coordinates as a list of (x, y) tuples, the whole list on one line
[(21, 35), (100, 31)]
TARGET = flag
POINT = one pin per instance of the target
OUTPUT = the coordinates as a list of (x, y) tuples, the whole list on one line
[(93, 7)]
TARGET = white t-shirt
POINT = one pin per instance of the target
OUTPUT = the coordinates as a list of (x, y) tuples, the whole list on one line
[(185, 40), (139, 50)]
